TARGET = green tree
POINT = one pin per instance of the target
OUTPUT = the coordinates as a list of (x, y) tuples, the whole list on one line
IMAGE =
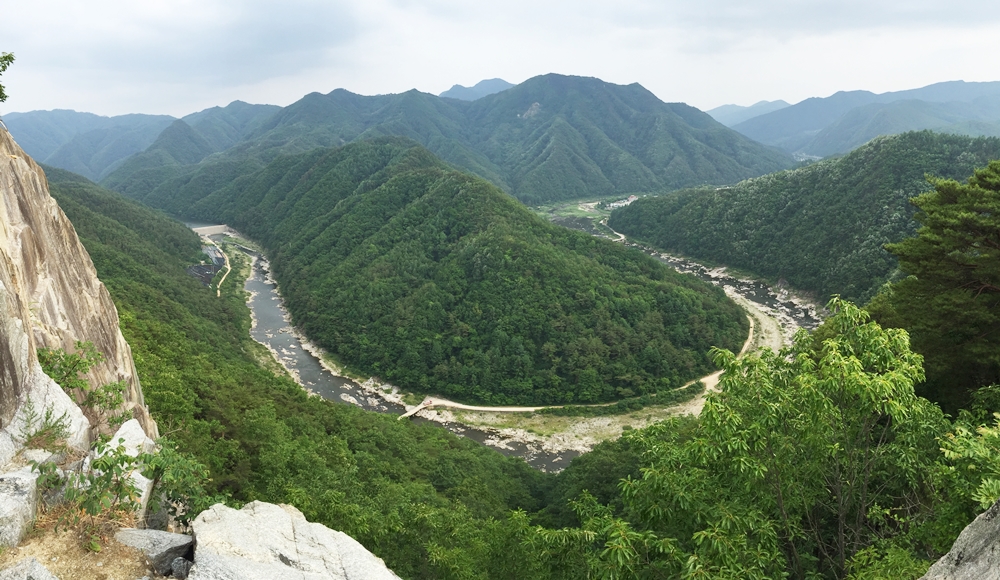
[(6, 59), (805, 459), (950, 302)]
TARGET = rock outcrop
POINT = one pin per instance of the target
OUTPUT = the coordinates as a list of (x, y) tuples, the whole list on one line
[(275, 542), (975, 555), (49, 296)]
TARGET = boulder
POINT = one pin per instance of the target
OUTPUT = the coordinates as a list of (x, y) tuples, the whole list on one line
[(27, 569), (975, 555), (18, 498), (132, 436), (265, 541), (160, 548)]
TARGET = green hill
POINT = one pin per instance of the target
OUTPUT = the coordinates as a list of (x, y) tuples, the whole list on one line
[(439, 282), (404, 490), (551, 137), (822, 227)]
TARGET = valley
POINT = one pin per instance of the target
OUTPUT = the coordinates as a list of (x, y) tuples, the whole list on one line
[(547, 442)]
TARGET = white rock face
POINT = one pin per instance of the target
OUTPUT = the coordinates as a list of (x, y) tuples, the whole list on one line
[(18, 498), (27, 569), (131, 436), (975, 555), (264, 541), (49, 292)]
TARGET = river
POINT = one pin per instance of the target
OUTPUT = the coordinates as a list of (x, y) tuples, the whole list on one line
[(272, 328)]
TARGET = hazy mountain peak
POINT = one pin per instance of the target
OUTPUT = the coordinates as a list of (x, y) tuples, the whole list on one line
[(730, 115), (481, 89)]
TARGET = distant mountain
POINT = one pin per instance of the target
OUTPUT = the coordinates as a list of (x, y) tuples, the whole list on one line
[(481, 89), (730, 115), (84, 143), (552, 137), (436, 280), (822, 227), (840, 122), (93, 146), (187, 141)]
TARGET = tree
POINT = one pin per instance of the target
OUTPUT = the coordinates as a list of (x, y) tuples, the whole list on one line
[(950, 302), (6, 59), (807, 458)]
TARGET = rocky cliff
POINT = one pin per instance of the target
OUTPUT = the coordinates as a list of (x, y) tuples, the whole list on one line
[(50, 296)]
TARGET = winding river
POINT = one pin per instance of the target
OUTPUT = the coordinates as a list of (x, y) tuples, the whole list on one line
[(272, 328)]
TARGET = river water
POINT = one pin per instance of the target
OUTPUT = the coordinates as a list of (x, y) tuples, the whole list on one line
[(272, 328)]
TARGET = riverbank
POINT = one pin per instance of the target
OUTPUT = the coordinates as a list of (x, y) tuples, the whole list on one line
[(516, 430)]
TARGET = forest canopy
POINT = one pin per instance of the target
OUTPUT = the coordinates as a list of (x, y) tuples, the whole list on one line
[(439, 282), (823, 227)]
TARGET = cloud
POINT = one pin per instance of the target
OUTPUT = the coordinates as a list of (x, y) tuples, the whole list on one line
[(225, 43)]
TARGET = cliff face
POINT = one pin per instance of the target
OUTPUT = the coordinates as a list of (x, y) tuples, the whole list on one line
[(50, 295)]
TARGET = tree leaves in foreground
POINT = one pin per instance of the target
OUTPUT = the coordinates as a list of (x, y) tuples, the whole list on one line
[(817, 460)]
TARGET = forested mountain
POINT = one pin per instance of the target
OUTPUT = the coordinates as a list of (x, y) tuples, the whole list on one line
[(480, 89), (730, 115), (822, 227), (551, 137), (844, 120), (84, 143), (439, 282), (404, 490)]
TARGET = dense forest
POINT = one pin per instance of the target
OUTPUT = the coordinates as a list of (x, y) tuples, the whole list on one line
[(551, 137), (821, 227), (820, 461), (439, 282), (403, 490)]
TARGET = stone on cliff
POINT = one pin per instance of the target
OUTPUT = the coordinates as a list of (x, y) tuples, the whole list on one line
[(27, 569), (18, 499), (160, 548), (271, 542), (50, 295), (975, 555)]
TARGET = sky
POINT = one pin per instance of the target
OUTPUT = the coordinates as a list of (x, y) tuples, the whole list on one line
[(176, 57)]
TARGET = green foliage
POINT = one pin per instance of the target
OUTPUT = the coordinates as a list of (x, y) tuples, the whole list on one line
[(405, 491), (805, 459), (822, 227), (43, 430), (180, 480), (6, 59), (439, 282), (67, 370), (951, 301)]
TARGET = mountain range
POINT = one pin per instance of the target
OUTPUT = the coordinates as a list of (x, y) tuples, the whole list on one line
[(819, 127), (549, 138)]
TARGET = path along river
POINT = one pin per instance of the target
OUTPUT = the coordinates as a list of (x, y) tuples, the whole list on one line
[(272, 328)]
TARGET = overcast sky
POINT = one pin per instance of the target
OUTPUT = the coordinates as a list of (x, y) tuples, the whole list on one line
[(179, 56)]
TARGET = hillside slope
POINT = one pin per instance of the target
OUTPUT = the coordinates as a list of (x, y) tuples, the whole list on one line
[(439, 282), (822, 227), (402, 489)]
